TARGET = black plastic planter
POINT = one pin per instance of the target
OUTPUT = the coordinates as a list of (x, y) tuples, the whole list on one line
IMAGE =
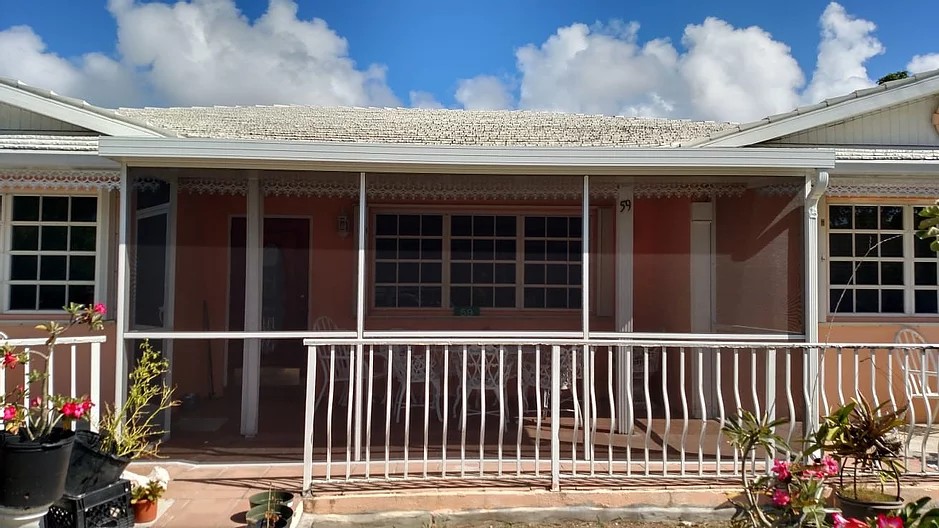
[(90, 468), (32, 473)]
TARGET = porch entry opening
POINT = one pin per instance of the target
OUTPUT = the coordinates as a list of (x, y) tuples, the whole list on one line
[(284, 306)]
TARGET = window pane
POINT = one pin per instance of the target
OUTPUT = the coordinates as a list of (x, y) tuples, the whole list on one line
[(409, 297), (574, 275), (866, 273), (52, 267), (81, 294), (431, 272), (386, 248), (866, 301), (386, 225), (865, 245), (83, 238), (556, 226), (23, 297), (461, 273), (483, 273), (409, 272), (840, 217), (460, 296), (432, 225), (461, 249), (840, 272), (891, 245), (461, 225), (534, 297), (51, 297), (54, 238), (505, 298), (534, 274), (921, 248), (409, 248), (409, 225), (556, 274), (891, 273), (430, 296), (505, 273), (505, 249), (891, 301), (925, 301), (432, 248), (534, 250), (924, 274), (484, 226), (482, 296), (556, 250), (574, 298), (534, 226), (556, 298), (505, 226), (865, 217), (841, 301), (385, 296), (84, 209), (575, 251), (839, 245), (891, 217), (575, 228), (25, 238), (483, 249), (25, 209), (55, 209), (386, 272), (23, 267), (81, 268)]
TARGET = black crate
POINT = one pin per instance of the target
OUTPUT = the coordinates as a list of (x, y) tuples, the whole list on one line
[(108, 507)]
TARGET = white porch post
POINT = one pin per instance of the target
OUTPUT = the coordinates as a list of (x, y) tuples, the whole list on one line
[(585, 316), (121, 313), (251, 364), (360, 318), (624, 304), (815, 187)]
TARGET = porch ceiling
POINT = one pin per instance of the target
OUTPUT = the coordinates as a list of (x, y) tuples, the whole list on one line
[(293, 155)]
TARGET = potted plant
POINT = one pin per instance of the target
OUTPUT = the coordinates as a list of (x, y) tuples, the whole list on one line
[(36, 441), (865, 440), (145, 495), (124, 434)]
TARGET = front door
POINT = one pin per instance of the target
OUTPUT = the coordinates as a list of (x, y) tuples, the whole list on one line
[(284, 306)]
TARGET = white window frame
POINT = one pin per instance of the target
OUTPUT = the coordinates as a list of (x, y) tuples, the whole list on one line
[(910, 222), (519, 212), (100, 252)]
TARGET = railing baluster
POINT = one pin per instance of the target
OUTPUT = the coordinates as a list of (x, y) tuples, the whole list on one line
[(445, 410), (684, 409), (857, 372), (330, 399), (593, 407), (483, 379), (574, 384), (95, 384), (668, 412), (704, 410), (538, 404), (738, 463), (426, 407), (463, 381), (819, 383), (501, 366), (719, 384), (368, 411), (613, 424), (350, 440), (388, 384), (521, 410), (407, 410), (787, 356), (840, 367), (648, 408)]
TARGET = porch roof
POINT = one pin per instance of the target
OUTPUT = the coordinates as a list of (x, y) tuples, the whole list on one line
[(302, 155)]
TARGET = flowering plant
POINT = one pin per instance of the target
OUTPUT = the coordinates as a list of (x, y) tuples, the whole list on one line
[(149, 488), (35, 417)]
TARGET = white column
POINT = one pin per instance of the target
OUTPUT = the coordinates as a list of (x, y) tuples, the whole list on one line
[(585, 315), (251, 364), (624, 301), (121, 313), (814, 189), (360, 317), (702, 304)]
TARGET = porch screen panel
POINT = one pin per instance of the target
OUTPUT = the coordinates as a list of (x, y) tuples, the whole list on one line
[(52, 244)]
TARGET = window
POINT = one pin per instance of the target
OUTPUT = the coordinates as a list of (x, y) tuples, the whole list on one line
[(876, 265), (51, 243), (477, 261)]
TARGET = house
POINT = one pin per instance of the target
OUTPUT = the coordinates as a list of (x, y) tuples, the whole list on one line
[(538, 295)]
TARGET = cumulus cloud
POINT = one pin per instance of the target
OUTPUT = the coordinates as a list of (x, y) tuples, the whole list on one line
[(847, 43), (94, 76), (484, 92), (420, 99), (923, 63)]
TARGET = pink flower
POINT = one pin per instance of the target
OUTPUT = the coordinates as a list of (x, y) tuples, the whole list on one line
[(840, 521), (9, 412), (830, 466), (72, 410), (35, 402), (781, 469), (781, 497), (885, 521), (10, 360), (99, 309), (814, 473), (85, 406)]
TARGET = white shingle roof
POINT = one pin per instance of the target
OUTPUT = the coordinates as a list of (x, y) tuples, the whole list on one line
[(48, 143), (420, 126), (887, 154)]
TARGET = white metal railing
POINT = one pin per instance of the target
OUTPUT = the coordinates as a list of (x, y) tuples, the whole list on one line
[(70, 353), (395, 406)]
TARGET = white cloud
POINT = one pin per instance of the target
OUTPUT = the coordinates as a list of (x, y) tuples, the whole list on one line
[(93, 76), (484, 92), (420, 99), (923, 63), (847, 43)]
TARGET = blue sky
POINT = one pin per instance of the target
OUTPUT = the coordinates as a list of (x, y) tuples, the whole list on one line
[(628, 57)]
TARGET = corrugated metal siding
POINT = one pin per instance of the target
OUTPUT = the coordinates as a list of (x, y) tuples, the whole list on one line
[(908, 124), (15, 119)]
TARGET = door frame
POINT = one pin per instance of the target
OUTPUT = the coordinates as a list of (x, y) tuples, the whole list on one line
[(703, 302)]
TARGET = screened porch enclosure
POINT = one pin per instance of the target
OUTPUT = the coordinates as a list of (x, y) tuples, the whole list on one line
[(231, 270)]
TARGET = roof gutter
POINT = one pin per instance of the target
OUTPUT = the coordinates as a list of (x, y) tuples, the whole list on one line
[(238, 153)]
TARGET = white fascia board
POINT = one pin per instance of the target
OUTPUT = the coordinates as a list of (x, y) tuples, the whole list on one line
[(385, 157), (48, 160), (78, 116), (815, 117), (886, 167)]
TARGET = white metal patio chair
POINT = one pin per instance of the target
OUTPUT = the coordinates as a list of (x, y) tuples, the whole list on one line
[(483, 375), (342, 372), (419, 375), (921, 372)]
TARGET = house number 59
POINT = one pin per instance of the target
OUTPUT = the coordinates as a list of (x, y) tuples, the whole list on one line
[(625, 205)]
